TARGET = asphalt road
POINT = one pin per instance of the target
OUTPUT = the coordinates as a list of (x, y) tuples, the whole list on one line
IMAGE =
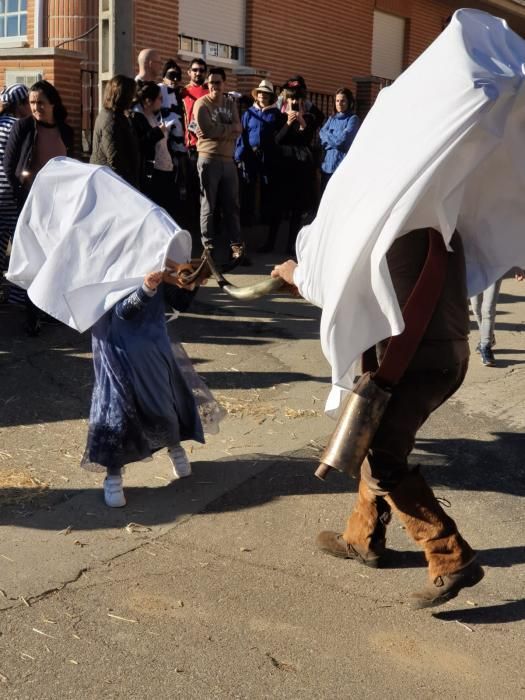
[(211, 587)]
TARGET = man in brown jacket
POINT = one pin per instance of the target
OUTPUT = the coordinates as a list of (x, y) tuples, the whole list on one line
[(218, 127), (388, 482)]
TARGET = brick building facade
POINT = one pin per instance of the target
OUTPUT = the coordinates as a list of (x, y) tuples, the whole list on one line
[(354, 43)]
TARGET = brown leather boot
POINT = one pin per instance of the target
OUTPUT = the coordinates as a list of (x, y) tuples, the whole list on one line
[(365, 536), (447, 553)]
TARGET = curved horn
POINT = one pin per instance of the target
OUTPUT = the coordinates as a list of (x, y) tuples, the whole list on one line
[(247, 293), (186, 277), (192, 277)]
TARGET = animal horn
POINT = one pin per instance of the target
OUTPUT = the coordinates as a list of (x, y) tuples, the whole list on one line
[(248, 292)]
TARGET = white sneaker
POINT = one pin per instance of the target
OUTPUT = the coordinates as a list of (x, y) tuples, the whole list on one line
[(180, 462), (113, 491)]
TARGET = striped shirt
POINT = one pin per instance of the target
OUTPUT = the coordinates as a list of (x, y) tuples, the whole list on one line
[(7, 199)]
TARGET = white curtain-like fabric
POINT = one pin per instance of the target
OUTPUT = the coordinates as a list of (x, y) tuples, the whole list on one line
[(85, 239), (444, 146)]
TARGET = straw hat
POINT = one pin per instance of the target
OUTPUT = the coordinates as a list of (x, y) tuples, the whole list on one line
[(264, 86)]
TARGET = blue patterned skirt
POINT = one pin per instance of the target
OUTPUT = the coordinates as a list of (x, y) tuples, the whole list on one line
[(141, 401)]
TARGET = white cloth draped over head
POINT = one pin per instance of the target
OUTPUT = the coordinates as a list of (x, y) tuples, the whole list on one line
[(85, 239), (444, 146)]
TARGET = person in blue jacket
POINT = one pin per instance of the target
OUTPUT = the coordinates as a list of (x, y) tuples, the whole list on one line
[(257, 155), (337, 134)]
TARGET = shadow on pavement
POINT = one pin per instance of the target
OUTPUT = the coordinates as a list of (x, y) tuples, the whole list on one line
[(511, 611), (57, 364), (460, 464), (497, 558), (475, 465)]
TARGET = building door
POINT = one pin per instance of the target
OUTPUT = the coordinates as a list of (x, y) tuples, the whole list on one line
[(388, 45)]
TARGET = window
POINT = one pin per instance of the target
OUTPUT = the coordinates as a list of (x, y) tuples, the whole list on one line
[(185, 43), (219, 22), (27, 76), (13, 18), (210, 49)]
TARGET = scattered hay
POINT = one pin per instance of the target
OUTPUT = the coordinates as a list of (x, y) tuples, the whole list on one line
[(255, 408), (20, 487), (246, 407), (123, 619), (132, 528), (300, 413)]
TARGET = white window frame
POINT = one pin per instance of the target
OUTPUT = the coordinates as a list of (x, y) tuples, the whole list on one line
[(16, 40), (27, 76)]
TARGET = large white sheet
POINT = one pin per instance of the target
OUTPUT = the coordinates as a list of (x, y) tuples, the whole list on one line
[(444, 146), (85, 239)]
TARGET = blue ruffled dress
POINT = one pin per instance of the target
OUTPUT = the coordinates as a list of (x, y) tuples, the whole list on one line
[(141, 401)]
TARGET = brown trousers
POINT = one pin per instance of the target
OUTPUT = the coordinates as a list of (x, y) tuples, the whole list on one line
[(416, 396)]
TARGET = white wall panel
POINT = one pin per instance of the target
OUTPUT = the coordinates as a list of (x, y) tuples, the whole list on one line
[(388, 45), (211, 20)]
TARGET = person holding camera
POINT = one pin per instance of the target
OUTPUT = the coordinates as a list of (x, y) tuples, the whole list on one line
[(157, 179), (295, 140), (172, 115)]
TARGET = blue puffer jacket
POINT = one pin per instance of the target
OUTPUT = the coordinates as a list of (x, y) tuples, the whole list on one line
[(256, 144), (336, 137)]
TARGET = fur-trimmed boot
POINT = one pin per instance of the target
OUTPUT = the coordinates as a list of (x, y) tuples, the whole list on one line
[(452, 563), (365, 536)]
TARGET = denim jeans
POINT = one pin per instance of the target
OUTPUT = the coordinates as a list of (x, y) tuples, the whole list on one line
[(484, 308)]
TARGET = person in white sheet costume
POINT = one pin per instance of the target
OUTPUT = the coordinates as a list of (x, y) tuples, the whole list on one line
[(453, 164), (91, 251)]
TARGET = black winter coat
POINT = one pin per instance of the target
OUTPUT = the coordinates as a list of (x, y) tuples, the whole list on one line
[(19, 151), (148, 136)]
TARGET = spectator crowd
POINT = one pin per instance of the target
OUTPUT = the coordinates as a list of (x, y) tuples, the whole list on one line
[(212, 158)]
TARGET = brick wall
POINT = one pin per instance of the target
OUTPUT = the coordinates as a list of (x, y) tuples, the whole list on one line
[(328, 47), (66, 79), (402, 8), (425, 23), (27, 64), (31, 22), (63, 71), (68, 19), (156, 25), (327, 44)]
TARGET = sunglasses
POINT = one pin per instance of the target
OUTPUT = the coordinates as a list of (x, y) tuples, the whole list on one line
[(197, 70), (215, 82)]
